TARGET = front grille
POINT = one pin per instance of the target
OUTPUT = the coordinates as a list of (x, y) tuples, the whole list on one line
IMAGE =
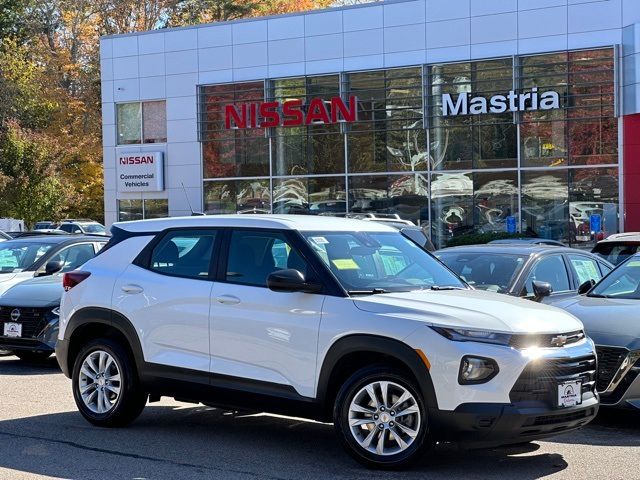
[(546, 340), (609, 361), (32, 319), (539, 380), (554, 419)]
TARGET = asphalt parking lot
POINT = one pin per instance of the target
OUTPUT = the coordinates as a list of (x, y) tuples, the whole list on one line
[(42, 436)]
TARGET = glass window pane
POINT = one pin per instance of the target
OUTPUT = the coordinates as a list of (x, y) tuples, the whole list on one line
[(409, 197), (156, 208), (254, 196), (154, 122), (327, 195), (368, 194), (593, 191), (584, 268), (184, 254), (545, 204), (290, 196), (451, 206), (129, 123), (130, 210), (219, 197), (496, 199), (549, 269), (543, 144)]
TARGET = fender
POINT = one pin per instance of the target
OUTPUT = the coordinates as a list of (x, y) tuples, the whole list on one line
[(376, 344), (102, 316)]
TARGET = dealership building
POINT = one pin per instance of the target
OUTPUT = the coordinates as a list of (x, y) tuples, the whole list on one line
[(463, 115)]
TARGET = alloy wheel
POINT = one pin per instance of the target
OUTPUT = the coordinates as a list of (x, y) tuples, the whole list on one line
[(384, 418), (99, 382)]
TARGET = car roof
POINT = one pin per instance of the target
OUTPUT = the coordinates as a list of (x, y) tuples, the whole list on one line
[(513, 248), (57, 238), (311, 223), (622, 237)]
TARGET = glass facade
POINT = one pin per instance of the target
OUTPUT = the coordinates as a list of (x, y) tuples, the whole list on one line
[(520, 167)]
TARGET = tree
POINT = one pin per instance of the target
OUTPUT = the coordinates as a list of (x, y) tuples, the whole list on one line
[(29, 184)]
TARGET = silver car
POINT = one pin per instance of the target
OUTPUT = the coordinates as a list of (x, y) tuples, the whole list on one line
[(610, 312)]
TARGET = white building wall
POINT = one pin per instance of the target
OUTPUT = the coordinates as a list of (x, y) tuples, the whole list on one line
[(170, 64)]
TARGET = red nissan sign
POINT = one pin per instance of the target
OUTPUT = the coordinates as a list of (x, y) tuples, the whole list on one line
[(292, 113)]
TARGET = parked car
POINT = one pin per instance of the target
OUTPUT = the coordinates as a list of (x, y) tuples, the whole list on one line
[(45, 225), (41, 255), (85, 226), (537, 272), (610, 312), (619, 247), (29, 313), (527, 241), (331, 319)]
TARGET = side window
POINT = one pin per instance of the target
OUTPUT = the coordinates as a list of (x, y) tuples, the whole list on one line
[(584, 268), (66, 227), (74, 256), (254, 255), (185, 253), (549, 269)]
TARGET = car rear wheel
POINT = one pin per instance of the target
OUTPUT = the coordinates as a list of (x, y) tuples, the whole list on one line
[(28, 356), (105, 385), (381, 418)]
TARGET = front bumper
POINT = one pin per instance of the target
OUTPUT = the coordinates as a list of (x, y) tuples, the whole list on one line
[(481, 425), (42, 339)]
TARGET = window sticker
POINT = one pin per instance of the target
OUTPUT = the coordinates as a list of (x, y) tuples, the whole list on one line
[(634, 264), (345, 264), (319, 240)]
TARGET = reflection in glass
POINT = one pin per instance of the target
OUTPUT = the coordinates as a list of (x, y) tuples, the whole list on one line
[(327, 195), (545, 204), (219, 197), (593, 192), (156, 208), (290, 196), (253, 196), (451, 206), (129, 123), (495, 199), (154, 122), (367, 193), (130, 210)]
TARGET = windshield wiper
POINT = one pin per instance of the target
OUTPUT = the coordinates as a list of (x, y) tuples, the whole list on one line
[(445, 287), (373, 291)]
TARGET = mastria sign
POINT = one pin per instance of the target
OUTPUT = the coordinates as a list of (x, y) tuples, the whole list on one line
[(465, 104), (291, 113)]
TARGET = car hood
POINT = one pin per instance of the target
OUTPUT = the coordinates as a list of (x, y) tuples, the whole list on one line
[(608, 321), (5, 277), (35, 292), (472, 309)]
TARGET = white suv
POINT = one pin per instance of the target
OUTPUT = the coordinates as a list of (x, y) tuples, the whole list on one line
[(332, 319)]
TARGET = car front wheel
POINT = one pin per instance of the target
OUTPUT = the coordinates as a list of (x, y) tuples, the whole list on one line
[(105, 385), (381, 418)]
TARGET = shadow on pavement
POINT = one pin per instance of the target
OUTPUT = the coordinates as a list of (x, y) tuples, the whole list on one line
[(612, 427), (202, 442), (11, 365)]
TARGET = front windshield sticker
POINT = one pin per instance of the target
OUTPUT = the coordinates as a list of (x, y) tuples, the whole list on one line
[(635, 264), (319, 240), (345, 264)]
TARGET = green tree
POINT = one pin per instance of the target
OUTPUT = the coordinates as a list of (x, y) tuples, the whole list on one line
[(30, 188)]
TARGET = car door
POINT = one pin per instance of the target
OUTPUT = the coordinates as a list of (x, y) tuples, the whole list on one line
[(72, 256), (167, 294), (257, 333), (553, 270)]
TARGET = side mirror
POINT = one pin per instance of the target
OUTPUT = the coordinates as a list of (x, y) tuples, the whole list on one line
[(54, 266), (291, 280), (541, 290), (586, 286)]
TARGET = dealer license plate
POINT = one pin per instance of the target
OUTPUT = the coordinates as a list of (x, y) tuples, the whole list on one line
[(570, 394), (12, 329)]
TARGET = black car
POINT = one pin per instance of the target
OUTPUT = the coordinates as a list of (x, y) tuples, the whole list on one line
[(530, 271)]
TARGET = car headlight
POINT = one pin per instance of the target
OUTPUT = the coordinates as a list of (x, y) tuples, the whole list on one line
[(56, 312), (482, 336)]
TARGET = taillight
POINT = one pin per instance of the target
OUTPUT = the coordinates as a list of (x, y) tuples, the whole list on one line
[(71, 279)]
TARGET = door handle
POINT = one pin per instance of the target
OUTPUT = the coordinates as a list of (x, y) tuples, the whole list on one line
[(132, 289), (228, 300)]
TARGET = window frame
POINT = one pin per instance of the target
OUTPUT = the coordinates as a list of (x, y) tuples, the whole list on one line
[(144, 258)]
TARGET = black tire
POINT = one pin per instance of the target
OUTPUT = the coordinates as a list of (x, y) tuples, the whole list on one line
[(28, 356), (414, 452), (131, 399)]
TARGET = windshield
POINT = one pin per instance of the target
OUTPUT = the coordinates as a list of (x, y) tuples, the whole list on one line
[(494, 272), (16, 256), (623, 282), (93, 228), (384, 262)]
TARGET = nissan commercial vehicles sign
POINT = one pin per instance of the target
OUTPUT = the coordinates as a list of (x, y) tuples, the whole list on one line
[(140, 172)]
